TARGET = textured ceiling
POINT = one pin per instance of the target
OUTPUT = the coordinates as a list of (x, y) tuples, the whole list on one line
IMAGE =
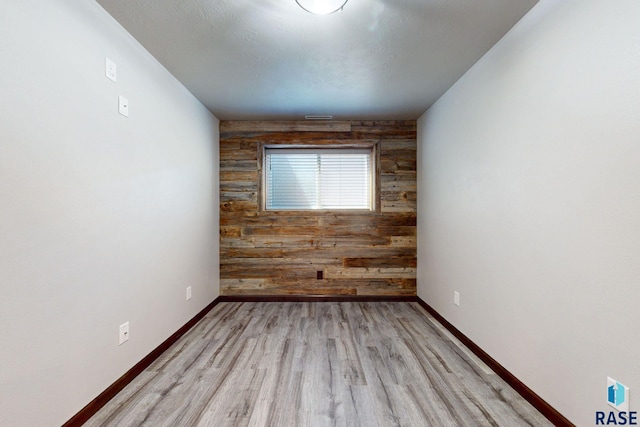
[(269, 59)]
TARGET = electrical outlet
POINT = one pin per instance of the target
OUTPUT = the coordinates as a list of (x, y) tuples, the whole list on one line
[(188, 293), (456, 298), (110, 69), (124, 333), (123, 105)]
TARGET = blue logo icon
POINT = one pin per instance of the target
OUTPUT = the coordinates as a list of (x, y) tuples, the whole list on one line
[(617, 395)]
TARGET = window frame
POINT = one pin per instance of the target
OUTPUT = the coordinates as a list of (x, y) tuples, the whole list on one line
[(375, 178)]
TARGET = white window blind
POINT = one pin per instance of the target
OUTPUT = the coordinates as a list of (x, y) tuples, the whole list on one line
[(305, 178)]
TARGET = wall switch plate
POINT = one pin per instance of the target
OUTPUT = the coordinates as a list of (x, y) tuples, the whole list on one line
[(110, 69), (124, 333), (456, 298), (123, 106), (188, 293)]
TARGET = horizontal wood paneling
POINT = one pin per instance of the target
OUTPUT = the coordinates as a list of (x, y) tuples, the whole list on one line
[(280, 253)]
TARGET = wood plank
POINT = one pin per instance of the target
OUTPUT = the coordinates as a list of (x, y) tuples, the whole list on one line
[(244, 219), (374, 220), (237, 206), (285, 126), (398, 206), (316, 253), (234, 165), (395, 196), (240, 144), (230, 231), (388, 150), (369, 273), (404, 241), (240, 196), (238, 186), (250, 176), (229, 153), (302, 242), (399, 144), (367, 287), (380, 262), (247, 272), (277, 261), (338, 231), (392, 165), (398, 183)]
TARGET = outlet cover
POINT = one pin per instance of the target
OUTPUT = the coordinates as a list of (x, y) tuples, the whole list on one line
[(456, 298), (124, 333), (111, 70), (188, 293), (123, 105)]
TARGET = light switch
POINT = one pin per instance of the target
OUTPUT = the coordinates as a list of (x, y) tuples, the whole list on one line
[(123, 105)]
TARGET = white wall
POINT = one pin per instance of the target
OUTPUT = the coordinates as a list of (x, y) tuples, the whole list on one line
[(529, 202), (103, 219)]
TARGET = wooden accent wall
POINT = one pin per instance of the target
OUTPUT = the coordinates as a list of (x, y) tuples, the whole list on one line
[(280, 253)]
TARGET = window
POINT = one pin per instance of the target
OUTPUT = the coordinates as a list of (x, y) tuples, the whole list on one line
[(315, 178)]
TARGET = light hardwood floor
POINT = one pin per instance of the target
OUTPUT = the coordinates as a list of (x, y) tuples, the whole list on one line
[(318, 364)]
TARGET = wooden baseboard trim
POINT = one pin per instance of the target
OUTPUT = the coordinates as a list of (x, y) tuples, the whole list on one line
[(96, 404), (529, 395), (317, 298)]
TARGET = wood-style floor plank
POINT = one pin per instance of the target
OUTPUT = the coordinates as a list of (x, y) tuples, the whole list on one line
[(318, 364)]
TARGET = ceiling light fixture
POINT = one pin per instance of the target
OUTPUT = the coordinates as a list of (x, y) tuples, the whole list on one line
[(321, 7)]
